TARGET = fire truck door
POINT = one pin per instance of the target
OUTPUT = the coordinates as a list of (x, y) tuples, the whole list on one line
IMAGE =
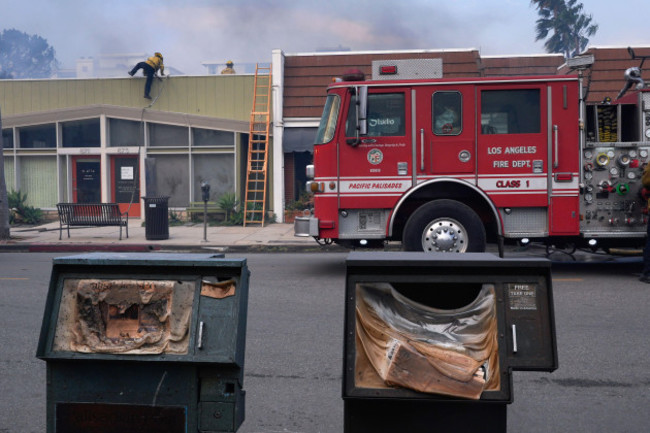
[(513, 165), (375, 172), (445, 134), (564, 161)]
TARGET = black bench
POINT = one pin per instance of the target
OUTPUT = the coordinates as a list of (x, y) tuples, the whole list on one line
[(92, 214)]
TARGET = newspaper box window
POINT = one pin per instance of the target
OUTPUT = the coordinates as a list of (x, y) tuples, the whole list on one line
[(145, 342), (435, 338), (411, 345), (124, 316)]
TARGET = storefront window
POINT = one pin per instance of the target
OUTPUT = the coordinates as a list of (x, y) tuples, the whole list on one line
[(211, 137), (125, 133), (9, 173), (170, 175), (81, 133), (37, 137), (168, 135), (37, 180), (218, 171), (8, 138)]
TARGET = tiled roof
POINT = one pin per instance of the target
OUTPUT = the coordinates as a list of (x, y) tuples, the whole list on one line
[(306, 76)]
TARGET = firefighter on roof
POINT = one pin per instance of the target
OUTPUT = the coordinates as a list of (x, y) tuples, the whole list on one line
[(149, 68), (229, 68)]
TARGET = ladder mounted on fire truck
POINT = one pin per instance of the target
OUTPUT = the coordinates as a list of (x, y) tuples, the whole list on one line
[(258, 145)]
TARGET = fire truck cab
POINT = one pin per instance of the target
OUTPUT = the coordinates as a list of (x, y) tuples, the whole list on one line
[(450, 164)]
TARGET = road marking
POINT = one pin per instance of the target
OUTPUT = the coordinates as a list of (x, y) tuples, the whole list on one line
[(13, 278)]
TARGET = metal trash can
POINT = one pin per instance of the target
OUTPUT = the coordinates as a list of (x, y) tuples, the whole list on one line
[(433, 339), (156, 217), (145, 343)]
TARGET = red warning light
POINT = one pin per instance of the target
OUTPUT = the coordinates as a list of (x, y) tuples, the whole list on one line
[(388, 70)]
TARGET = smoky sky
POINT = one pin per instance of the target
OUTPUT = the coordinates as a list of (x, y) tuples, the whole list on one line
[(189, 32)]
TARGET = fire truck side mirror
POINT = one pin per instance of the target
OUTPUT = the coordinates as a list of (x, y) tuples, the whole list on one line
[(361, 111)]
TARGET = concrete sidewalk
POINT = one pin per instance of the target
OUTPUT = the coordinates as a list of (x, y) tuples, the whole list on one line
[(189, 237)]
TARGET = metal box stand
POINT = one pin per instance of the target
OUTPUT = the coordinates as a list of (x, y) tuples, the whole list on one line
[(441, 299), (145, 343)]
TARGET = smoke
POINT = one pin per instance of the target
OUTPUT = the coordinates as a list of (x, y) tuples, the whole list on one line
[(189, 32)]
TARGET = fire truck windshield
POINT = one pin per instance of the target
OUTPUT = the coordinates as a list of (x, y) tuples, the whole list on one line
[(328, 121)]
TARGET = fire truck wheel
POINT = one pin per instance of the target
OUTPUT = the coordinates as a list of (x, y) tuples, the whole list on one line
[(444, 226)]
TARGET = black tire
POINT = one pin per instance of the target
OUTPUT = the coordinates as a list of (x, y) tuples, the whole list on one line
[(444, 226)]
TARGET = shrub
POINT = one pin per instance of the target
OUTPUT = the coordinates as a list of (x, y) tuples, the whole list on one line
[(31, 215), (174, 218), (20, 211), (305, 201), (228, 203)]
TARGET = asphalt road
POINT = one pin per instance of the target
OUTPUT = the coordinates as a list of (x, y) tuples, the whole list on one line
[(294, 347)]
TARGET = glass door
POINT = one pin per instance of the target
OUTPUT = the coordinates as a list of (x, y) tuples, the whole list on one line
[(86, 180)]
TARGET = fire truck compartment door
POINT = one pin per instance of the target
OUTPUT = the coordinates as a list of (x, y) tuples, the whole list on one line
[(446, 130), (379, 169), (564, 159), (512, 136)]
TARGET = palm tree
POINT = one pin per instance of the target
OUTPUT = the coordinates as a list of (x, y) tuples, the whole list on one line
[(569, 26)]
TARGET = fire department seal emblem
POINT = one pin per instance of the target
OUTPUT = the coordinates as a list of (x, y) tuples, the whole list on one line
[(375, 156)]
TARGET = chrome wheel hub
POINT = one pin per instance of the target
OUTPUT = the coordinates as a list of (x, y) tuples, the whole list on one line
[(444, 235)]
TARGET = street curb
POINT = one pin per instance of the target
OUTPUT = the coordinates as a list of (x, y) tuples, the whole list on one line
[(78, 248)]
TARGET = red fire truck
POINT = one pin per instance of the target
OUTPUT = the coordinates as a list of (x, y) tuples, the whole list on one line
[(450, 164)]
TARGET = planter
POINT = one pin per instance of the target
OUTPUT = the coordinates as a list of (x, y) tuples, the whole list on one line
[(290, 215)]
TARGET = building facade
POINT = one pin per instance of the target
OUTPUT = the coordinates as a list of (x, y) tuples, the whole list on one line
[(99, 141)]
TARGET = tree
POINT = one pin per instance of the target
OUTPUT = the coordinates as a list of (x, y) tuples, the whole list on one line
[(25, 56), (569, 26), (4, 203)]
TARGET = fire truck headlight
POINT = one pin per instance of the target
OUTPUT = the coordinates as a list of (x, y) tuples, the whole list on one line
[(309, 171)]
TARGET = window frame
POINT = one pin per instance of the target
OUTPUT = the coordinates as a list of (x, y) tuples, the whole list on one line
[(459, 112)]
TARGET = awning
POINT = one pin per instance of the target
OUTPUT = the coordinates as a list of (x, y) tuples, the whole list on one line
[(298, 139)]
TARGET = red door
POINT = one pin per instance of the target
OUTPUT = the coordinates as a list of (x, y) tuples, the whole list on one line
[(564, 179), (375, 172), (125, 184), (445, 139)]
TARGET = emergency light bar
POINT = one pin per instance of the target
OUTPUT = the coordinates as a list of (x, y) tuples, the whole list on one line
[(406, 69)]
